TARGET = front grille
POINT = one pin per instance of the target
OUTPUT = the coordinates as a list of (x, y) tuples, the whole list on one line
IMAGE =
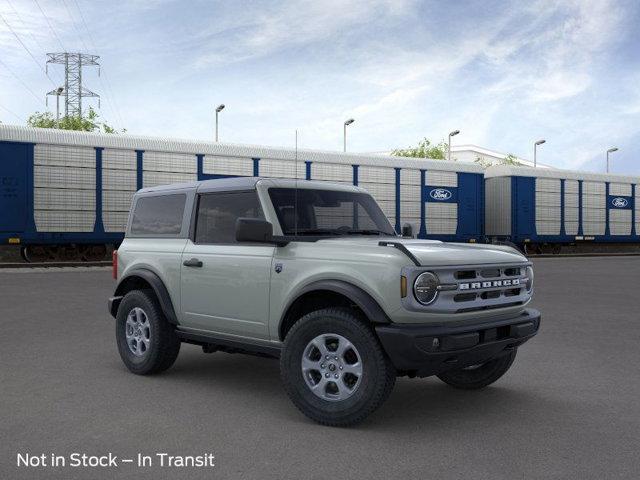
[(476, 288)]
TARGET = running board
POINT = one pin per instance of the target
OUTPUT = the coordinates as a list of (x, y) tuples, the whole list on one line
[(211, 343)]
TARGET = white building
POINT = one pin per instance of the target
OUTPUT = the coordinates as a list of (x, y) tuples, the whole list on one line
[(470, 153)]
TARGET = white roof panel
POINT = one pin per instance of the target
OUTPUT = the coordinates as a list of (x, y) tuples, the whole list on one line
[(130, 142), (513, 171)]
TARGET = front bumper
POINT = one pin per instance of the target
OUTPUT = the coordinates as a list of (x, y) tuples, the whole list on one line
[(424, 350)]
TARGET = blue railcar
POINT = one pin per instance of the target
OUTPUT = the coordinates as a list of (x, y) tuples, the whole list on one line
[(67, 194), (544, 210)]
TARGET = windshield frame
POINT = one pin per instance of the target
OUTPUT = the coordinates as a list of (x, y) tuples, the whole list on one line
[(361, 198)]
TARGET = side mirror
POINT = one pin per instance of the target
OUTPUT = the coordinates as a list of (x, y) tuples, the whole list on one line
[(407, 230), (254, 230)]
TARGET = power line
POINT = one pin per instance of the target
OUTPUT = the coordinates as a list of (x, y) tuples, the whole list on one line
[(111, 98), (12, 113), (24, 25), (21, 81), (75, 27), (50, 26), (27, 49)]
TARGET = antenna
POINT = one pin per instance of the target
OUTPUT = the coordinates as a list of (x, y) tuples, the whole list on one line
[(295, 193)]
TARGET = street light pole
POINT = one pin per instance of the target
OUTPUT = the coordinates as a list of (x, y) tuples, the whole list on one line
[(59, 90), (219, 108), (344, 136), (611, 150), (451, 134), (535, 151)]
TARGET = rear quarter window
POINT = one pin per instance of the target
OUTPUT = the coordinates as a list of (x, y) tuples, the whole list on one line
[(158, 215)]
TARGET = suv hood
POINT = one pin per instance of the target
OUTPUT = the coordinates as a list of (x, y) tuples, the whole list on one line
[(436, 253)]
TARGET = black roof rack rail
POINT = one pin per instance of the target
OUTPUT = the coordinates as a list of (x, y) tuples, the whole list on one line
[(402, 248)]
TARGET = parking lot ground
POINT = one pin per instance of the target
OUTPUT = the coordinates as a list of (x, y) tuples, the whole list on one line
[(569, 407)]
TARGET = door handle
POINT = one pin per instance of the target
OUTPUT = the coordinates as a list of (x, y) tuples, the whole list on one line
[(193, 262)]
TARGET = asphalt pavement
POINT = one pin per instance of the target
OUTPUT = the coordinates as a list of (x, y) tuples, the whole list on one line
[(568, 408)]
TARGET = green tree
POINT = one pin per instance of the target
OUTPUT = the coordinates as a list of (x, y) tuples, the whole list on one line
[(510, 159), (87, 123), (425, 149)]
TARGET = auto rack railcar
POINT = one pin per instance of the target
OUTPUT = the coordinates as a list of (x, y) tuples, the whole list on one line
[(67, 194), (548, 210)]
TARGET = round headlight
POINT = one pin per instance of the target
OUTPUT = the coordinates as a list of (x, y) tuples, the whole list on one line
[(425, 288), (529, 280)]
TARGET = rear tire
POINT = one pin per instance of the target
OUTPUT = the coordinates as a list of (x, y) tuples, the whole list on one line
[(334, 369), (479, 376), (146, 341)]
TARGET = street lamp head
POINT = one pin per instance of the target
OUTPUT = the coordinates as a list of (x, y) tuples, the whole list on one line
[(540, 142), (220, 108), (613, 149), (454, 133), (59, 90), (349, 122)]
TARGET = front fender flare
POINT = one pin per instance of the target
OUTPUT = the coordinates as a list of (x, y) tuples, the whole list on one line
[(162, 294), (362, 299)]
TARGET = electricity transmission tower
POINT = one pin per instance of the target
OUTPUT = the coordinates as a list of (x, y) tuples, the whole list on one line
[(73, 90)]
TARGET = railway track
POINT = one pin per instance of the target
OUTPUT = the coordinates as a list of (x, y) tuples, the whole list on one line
[(54, 264)]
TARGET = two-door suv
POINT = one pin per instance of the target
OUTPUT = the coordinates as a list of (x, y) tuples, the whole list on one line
[(314, 274)]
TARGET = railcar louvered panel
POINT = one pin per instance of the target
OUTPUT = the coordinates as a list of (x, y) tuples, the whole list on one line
[(64, 177), (153, 179), (441, 218), (620, 221), (498, 206), (125, 180), (380, 175), (64, 156), (593, 228), (64, 199), (334, 172), (441, 179), (218, 165), (571, 217), (571, 186), (64, 220), (547, 206), (118, 159), (409, 176), (116, 200), (281, 168), (623, 189), (169, 162)]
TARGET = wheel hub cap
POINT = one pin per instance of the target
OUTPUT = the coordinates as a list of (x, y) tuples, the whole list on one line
[(138, 331), (332, 367)]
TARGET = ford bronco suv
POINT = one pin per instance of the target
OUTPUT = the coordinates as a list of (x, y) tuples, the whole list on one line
[(313, 273)]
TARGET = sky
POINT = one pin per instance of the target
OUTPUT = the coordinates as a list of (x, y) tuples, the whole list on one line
[(504, 73)]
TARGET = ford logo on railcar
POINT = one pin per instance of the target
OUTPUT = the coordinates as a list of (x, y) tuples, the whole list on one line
[(440, 194), (619, 202)]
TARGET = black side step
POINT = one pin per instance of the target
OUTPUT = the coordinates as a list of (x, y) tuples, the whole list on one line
[(402, 248), (213, 343)]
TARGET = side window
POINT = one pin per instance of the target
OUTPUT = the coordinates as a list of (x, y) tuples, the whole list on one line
[(218, 212), (158, 215)]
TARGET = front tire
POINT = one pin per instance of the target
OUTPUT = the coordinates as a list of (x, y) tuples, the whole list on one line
[(479, 376), (334, 369), (146, 341)]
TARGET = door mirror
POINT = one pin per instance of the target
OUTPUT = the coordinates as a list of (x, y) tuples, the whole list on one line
[(407, 230), (254, 230)]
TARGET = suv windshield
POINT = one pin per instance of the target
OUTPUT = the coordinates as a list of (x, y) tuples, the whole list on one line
[(328, 213)]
